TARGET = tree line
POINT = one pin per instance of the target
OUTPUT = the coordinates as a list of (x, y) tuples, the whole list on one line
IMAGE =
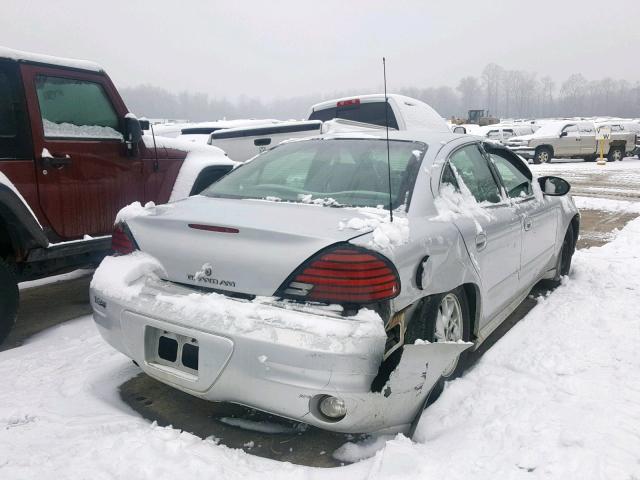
[(503, 93)]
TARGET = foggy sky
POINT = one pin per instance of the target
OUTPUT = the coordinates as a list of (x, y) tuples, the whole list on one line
[(269, 49)]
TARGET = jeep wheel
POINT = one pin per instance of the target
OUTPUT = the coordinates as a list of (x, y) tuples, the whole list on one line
[(615, 154), (543, 155), (8, 299)]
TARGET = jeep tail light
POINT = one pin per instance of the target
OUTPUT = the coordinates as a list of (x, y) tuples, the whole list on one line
[(122, 242), (344, 274)]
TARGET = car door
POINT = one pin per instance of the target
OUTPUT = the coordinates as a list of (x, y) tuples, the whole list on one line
[(587, 133), (84, 174), (491, 228), (569, 141), (539, 218)]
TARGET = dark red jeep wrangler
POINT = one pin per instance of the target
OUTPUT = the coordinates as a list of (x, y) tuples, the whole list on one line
[(71, 156)]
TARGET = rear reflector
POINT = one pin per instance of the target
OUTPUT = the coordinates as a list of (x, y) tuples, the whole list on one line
[(213, 228), (122, 242), (346, 275), (348, 103)]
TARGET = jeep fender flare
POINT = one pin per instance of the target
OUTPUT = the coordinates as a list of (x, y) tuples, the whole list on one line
[(22, 227)]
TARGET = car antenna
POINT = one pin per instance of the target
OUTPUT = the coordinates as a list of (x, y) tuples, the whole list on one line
[(156, 164), (386, 124)]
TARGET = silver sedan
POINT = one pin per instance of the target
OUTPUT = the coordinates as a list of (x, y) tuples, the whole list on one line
[(336, 281)]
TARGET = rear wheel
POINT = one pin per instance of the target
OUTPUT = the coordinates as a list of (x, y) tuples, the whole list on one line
[(542, 155), (615, 154), (443, 317), (9, 297)]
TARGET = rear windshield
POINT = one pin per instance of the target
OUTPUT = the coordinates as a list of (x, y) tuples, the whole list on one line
[(370, 112), (338, 172)]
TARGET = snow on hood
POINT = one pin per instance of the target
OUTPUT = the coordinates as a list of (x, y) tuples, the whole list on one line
[(524, 138)]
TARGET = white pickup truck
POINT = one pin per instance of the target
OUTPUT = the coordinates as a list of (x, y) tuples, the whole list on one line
[(353, 113)]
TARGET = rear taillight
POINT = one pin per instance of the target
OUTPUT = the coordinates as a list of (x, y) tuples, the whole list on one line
[(346, 275), (122, 242)]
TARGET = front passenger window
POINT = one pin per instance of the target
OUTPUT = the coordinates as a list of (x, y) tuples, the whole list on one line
[(517, 184), (473, 169), (76, 109)]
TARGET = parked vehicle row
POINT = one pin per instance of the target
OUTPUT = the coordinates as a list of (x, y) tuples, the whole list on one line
[(354, 113), (572, 139)]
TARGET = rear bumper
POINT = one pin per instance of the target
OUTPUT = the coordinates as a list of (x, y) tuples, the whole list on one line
[(253, 357)]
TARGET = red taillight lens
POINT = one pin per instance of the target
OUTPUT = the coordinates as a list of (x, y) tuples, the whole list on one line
[(348, 103), (122, 242), (344, 274)]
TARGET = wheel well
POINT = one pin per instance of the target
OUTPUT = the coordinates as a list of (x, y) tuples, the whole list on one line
[(546, 147), (472, 292), (618, 144), (6, 245), (575, 226)]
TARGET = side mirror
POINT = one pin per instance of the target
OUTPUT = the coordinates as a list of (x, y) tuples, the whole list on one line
[(459, 129), (564, 134), (144, 124), (554, 186), (133, 134)]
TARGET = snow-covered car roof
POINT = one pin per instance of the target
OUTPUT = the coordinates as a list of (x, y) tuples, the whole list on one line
[(28, 57)]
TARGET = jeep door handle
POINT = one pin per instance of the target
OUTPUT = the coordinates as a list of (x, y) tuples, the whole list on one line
[(527, 224), (481, 241), (55, 162)]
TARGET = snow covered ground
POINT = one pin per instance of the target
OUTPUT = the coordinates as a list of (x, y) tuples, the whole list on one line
[(614, 180), (557, 397)]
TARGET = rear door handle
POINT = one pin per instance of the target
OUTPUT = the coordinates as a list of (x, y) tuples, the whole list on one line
[(481, 241), (527, 224), (55, 162)]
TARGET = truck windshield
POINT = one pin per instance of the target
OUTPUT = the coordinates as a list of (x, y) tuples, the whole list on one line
[(367, 112), (338, 172)]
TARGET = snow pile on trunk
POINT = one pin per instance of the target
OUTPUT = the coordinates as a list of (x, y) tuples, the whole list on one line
[(126, 277), (69, 130), (133, 210), (556, 397), (385, 234), (123, 277)]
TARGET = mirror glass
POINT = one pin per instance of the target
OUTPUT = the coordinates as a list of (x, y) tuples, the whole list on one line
[(554, 186)]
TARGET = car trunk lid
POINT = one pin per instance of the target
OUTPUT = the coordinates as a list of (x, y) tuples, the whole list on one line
[(242, 246)]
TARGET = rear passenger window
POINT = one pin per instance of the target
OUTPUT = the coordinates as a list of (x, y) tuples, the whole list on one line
[(369, 112), (15, 138), (73, 108), (472, 169)]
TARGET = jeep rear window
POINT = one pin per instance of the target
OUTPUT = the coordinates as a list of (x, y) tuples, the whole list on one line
[(368, 112), (72, 108), (15, 135), (338, 172)]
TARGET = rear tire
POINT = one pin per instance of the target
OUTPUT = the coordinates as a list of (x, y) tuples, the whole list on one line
[(9, 299), (615, 154), (427, 324), (542, 155)]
